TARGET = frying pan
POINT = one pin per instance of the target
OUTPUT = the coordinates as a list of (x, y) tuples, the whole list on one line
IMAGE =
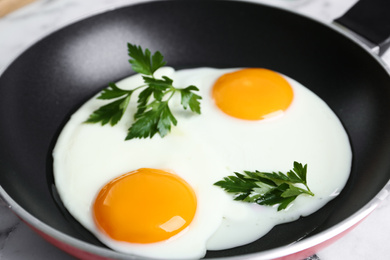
[(50, 80)]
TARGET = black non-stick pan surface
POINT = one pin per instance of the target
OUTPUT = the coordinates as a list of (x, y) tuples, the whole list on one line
[(50, 80)]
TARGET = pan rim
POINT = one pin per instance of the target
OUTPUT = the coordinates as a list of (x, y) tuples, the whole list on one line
[(112, 7), (272, 253), (333, 26), (267, 254)]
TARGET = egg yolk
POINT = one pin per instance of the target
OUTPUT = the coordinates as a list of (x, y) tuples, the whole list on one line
[(144, 206), (252, 94)]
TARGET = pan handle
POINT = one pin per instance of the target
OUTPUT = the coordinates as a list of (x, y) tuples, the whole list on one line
[(369, 21)]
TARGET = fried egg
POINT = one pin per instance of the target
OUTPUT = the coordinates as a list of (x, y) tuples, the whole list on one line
[(155, 197)]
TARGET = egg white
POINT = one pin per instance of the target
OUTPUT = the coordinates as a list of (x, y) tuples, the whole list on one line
[(203, 149)]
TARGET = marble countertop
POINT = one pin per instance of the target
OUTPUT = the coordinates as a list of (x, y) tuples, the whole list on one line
[(21, 28)]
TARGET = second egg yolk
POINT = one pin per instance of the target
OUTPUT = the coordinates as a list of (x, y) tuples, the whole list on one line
[(144, 206), (252, 94)]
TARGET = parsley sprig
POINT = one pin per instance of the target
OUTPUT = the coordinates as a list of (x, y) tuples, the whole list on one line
[(263, 188), (153, 114)]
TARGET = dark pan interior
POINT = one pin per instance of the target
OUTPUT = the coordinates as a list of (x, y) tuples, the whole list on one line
[(50, 80)]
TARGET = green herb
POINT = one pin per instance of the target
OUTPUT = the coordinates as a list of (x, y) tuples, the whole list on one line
[(264, 188), (153, 114)]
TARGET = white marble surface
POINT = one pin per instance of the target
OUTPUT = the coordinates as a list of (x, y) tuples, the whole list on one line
[(20, 29)]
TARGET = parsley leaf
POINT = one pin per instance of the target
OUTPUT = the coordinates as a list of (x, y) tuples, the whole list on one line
[(156, 119), (153, 114), (275, 188), (112, 112), (113, 92), (141, 62), (190, 99)]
